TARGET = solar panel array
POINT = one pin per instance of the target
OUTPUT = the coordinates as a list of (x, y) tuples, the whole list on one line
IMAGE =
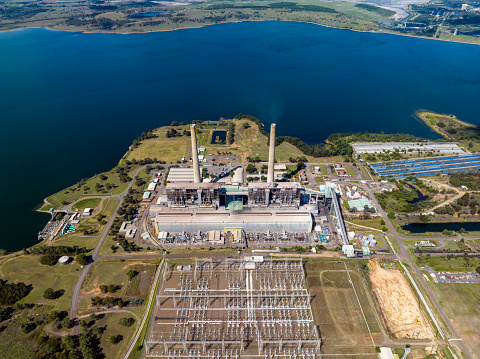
[(427, 166)]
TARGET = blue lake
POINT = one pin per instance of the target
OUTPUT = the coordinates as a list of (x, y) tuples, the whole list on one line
[(71, 103)]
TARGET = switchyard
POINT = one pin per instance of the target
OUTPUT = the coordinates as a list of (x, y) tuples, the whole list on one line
[(247, 307)]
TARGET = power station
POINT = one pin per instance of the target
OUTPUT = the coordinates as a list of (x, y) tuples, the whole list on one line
[(195, 211)]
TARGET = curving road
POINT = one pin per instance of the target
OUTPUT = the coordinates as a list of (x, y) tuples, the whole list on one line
[(95, 255)]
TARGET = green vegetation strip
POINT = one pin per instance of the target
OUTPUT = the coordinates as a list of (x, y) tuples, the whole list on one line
[(142, 330)]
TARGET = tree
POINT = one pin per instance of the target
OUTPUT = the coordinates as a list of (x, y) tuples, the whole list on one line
[(132, 274), (391, 215), (83, 324), (301, 166), (115, 339), (27, 327), (174, 123), (127, 322), (424, 218), (82, 259), (251, 168), (49, 293)]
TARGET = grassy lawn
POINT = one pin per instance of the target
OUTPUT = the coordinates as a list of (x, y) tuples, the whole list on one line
[(453, 245), (323, 169), (27, 269), (73, 193), (372, 223), (350, 171), (115, 272), (87, 203), (442, 263), (14, 343), (460, 302), (165, 149), (111, 322), (337, 311)]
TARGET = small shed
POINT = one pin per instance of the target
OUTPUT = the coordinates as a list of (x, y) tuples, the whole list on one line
[(87, 212), (152, 186)]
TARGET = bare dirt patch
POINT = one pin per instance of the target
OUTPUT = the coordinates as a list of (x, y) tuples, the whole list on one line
[(398, 305)]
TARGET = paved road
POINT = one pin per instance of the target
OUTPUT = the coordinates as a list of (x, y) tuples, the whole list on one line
[(95, 255)]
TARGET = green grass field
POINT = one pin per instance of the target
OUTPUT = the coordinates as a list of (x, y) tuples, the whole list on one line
[(165, 149), (460, 302), (14, 343), (442, 263), (337, 311), (111, 322), (87, 203), (350, 171), (69, 195), (27, 269), (372, 223), (115, 272)]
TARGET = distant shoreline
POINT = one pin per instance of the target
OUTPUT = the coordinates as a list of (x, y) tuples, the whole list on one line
[(242, 21)]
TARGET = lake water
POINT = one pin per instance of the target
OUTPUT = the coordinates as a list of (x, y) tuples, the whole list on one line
[(440, 227), (72, 103)]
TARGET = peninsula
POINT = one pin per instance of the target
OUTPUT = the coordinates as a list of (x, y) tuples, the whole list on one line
[(223, 237)]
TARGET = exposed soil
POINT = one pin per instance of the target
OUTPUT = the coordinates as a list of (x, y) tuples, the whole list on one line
[(398, 305)]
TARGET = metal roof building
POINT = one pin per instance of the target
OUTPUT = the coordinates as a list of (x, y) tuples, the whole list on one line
[(249, 221), (360, 203), (180, 175)]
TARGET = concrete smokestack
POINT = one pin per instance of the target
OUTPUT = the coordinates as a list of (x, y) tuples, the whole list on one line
[(271, 155), (197, 177)]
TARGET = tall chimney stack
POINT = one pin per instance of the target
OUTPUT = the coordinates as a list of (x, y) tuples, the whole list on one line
[(271, 155), (197, 178)]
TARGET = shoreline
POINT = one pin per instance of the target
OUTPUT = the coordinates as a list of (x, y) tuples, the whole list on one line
[(243, 21)]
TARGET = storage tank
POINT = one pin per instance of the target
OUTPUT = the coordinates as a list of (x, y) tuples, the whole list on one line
[(64, 260)]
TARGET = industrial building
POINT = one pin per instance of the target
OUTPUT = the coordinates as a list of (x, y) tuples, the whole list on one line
[(258, 212), (249, 307), (199, 195), (440, 148)]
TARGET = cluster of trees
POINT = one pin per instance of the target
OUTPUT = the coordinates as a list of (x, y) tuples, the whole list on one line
[(123, 173), (10, 293), (174, 133), (254, 159), (406, 198), (49, 293), (51, 254), (108, 301), (59, 319), (382, 137), (127, 322), (231, 133), (251, 169), (471, 179), (21, 12), (465, 204), (111, 288), (128, 246), (132, 273), (298, 159), (259, 123)]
